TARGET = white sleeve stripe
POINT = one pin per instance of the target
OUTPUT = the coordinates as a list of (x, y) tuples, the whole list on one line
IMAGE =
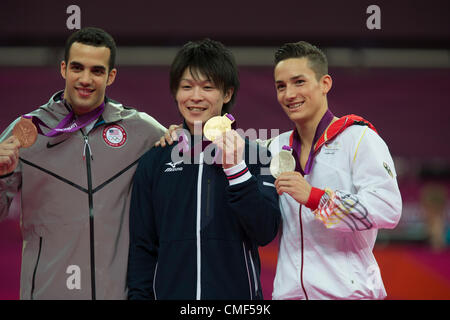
[(241, 179), (268, 184)]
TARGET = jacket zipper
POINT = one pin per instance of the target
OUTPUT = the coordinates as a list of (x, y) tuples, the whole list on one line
[(254, 272), (198, 226), (301, 268), (248, 272), (154, 281), (35, 268), (88, 155)]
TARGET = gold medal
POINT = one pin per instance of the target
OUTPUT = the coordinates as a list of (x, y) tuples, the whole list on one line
[(282, 162), (218, 125), (25, 131)]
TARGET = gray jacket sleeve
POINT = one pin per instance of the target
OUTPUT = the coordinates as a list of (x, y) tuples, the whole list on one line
[(9, 184)]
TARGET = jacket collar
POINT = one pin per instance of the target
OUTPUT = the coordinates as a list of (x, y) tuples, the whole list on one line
[(295, 143), (56, 105)]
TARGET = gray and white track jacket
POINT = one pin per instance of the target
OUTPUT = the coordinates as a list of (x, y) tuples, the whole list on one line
[(75, 194)]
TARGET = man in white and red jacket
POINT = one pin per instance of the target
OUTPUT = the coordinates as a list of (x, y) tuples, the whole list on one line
[(342, 191)]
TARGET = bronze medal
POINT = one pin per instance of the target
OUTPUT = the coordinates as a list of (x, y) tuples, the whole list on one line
[(25, 131)]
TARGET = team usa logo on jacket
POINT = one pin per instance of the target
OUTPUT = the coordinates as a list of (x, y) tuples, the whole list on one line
[(114, 136)]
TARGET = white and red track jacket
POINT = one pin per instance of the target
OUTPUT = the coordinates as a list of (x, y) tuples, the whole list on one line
[(326, 248)]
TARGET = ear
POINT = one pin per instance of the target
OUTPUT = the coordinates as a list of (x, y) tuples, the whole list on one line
[(111, 76), (63, 69), (326, 82), (227, 96)]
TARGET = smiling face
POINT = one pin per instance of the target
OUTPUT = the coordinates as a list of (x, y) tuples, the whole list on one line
[(299, 93), (199, 99), (87, 76)]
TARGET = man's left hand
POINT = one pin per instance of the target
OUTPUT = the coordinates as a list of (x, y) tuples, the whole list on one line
[(231, 146)]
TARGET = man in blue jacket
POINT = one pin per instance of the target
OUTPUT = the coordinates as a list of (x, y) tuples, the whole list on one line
[(199, 210)]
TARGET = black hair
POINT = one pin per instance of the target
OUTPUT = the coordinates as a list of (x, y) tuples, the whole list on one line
[(317, 60), (213, 60), (93, 37)]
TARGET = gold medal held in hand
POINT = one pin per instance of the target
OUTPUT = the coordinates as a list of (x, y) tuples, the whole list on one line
[(282, 162), (25, 131), (218, 125)]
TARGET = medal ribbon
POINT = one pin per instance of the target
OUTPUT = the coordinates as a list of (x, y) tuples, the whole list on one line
[(295, 143), (70, 123)]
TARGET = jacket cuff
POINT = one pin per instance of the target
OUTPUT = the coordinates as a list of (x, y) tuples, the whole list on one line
[(237, 174), (314, 198)]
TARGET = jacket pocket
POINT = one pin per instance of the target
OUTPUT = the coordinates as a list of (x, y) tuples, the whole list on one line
[(35, 268)]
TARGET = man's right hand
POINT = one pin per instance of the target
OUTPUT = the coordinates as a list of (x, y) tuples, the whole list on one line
[(9, 155)]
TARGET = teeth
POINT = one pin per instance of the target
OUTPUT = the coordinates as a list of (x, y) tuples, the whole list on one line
[(196, 109), (295, 105), (85, 91)]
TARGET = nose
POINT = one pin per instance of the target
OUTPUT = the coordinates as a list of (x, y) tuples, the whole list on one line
[(196, 94), (85, 78), (291, 92)]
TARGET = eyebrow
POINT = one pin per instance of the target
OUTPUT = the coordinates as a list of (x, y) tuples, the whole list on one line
[(193, 80), (292, 78), (297, 77), (78, 64)]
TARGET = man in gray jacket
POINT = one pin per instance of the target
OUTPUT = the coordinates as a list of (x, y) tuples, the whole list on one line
[(75, 180)]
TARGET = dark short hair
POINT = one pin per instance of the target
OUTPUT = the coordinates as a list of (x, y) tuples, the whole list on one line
[(213, 60), (317, 60), (93, 37)]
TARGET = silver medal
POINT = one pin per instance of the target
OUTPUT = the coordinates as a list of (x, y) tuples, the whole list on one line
[(282, 162)]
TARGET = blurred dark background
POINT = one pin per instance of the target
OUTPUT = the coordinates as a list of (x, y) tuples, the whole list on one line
[(404, 23), (397, 77)]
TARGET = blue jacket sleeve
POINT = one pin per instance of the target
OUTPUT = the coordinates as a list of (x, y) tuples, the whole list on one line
[(255, 201), (143, 253)]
